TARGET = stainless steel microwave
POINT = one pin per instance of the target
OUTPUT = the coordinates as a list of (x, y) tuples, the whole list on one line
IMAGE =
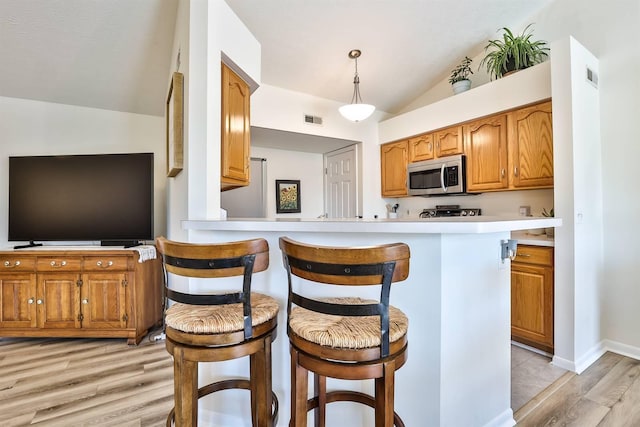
[(446, 175)]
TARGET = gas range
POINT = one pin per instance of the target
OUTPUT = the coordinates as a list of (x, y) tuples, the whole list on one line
[(449, 210)]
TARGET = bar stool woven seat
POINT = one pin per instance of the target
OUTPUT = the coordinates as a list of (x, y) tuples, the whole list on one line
[(216, 325), (344, 337)]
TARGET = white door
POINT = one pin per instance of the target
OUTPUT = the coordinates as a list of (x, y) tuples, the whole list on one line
[(341, 179)]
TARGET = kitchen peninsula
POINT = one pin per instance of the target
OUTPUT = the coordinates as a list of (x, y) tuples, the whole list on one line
[(457, 299)]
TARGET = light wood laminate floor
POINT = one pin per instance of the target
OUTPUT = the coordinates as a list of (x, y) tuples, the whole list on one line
[(80, 382)]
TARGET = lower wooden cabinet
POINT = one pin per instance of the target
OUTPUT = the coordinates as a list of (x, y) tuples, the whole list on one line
[(532, 297), (83, 293)]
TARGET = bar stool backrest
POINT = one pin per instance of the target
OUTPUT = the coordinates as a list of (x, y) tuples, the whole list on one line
[(349, 266), (215, 260)]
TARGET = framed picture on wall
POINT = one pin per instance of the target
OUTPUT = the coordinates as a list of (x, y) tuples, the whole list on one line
[(287, 196), (174, 113)]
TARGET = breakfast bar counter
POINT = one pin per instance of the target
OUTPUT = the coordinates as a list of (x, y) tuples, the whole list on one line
[(457, 299)]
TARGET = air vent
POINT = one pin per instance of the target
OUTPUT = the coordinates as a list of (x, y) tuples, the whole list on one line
[(312, 120), (592, 77)]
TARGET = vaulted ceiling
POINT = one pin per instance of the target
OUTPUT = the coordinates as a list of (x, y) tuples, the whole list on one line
[(115, 54)]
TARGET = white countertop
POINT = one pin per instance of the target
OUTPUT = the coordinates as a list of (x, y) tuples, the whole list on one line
[(525, 238), (481, 224)]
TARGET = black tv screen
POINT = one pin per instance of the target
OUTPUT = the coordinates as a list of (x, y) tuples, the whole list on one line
[(106, 197)]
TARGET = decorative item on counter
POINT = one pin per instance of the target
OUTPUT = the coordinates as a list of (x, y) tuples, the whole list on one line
[(513, 53), (392, 211), (459, 78), (550, 231)]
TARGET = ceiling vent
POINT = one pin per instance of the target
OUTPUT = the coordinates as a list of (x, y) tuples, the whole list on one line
[(312, 120), (592, 77)]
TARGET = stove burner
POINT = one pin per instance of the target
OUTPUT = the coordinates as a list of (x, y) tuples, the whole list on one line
[(449, 210)]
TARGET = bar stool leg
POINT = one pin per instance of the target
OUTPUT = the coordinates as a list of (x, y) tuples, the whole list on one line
[(261, 398), (320, 390), (299, 391), (186, 389), (384, 391)]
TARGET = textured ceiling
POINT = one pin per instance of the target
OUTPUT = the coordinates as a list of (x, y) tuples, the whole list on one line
[(115, 54), (109, 54), (407, 45)]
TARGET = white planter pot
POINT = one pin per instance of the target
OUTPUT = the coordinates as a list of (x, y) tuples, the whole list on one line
[(461, 86)]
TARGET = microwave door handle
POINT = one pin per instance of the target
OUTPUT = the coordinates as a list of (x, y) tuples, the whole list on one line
[(444, 187)]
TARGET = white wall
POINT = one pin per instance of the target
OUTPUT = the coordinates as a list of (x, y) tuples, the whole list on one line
[(42, 128), (307, 167), (282, 109)]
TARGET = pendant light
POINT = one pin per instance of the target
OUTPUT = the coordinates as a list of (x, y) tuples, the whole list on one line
[(357, 110)]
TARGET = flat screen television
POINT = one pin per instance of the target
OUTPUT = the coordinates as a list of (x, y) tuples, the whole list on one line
[(95, 197)]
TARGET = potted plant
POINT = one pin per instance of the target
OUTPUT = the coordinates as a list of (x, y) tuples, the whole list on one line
[(460, 76), (512, 53)]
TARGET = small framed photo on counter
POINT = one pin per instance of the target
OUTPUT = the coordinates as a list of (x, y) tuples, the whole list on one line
[(287, 196)]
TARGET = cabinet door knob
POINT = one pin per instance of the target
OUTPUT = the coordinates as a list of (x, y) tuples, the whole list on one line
[(39, 302), (104, 264), (85, 301), (30, 301), (58, 264)]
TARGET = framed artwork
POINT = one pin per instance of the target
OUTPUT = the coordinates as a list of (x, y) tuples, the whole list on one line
[(174, 114), (287, 196)]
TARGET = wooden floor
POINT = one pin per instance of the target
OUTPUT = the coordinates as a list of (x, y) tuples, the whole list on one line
[(79, 382), (607, 394), (73, 382)]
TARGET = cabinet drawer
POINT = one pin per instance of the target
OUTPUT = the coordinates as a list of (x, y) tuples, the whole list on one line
[(61, 263), (539, 255), (105, 263), (17, 263)]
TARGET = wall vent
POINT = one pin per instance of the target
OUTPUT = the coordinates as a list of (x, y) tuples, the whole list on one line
[(312, 120), (592, 77)]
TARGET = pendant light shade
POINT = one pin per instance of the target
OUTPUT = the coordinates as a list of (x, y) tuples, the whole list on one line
[(357, 110)]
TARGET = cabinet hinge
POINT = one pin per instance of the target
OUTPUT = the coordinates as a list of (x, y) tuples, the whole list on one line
[(125, 282), (79, 282), (80, 317), (125, 317)]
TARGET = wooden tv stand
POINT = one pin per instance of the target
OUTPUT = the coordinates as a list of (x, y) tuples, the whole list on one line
[(77, 292)]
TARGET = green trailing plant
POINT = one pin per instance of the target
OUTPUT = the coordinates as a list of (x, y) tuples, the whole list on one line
[(462, 71), (513, 52), (548, 214)]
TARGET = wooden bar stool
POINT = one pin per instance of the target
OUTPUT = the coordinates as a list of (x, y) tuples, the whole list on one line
[(345, 337), (214, 327)]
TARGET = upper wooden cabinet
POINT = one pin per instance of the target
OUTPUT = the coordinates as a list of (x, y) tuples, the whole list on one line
[(393, 161), (448, 141), (235, 132), (510, 151), (421, 148), (485, 144), (531, 146)]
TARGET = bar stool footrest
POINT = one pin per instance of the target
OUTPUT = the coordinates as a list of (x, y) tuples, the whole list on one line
[(227, 385), (351, 396)]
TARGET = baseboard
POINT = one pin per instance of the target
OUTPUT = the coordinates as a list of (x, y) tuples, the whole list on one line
[(595, 353), (622, 349), (505, 419)]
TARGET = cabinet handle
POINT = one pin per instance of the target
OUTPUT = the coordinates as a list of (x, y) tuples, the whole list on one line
[(515, 171), (10, 265), (104, 264), (30, 301), (39, 302), (58, 264), (85, 301), (429, 146), (502, 172), (523, 255)]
